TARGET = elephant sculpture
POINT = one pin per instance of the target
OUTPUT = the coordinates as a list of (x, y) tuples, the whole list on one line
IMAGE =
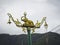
[(26, 21)]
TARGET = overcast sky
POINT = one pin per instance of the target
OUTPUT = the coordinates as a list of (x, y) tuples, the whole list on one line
[(36, 9)]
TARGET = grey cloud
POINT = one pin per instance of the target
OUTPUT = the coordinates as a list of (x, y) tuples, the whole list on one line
[(55, 3), (37, 8)]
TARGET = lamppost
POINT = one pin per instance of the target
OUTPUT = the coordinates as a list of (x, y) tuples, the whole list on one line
[(27, 25)]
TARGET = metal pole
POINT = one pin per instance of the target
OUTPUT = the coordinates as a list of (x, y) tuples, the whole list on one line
[(29, 36)]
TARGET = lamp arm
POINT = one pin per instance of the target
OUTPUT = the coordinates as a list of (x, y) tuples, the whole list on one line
[(17, 23)]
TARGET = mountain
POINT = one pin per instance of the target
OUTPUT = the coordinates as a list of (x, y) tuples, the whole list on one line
[(56, 29), (49, 38)]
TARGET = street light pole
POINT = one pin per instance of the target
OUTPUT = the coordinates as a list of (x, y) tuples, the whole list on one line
[(29, 36), (27, 25)]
